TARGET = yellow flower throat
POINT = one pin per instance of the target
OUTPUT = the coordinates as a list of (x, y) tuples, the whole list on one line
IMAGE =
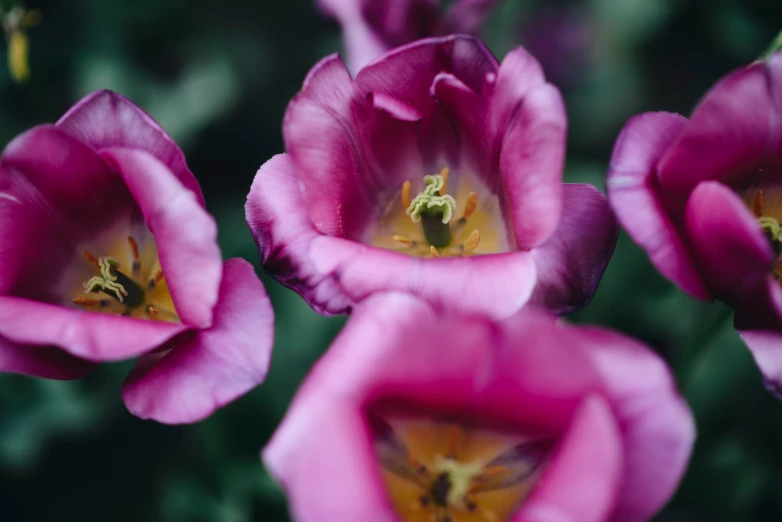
[(427, 225), (140, 292), (444, 472)]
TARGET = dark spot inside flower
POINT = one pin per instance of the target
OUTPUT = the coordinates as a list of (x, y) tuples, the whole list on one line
[(440, 489)]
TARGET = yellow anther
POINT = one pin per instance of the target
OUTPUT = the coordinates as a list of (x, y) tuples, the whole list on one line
[(757, 205), (444, 174), (406, 194), (152, 310), (402, 239), (434, 251), (472, 204), (471, 243)]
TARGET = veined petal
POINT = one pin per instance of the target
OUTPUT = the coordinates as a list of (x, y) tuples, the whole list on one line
[(212, 367), (108, 119), (88, 335), (186, 236), (572, 262), (645, 211)]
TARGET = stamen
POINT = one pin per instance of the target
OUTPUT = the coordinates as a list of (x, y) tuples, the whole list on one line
[(403, 240), (136, 257), (90, 302), (444, 175), (434, 251), (91, 259), (406, 194), (472, 204), (472, 241), (155, 280), (152, 310), (757, 204)]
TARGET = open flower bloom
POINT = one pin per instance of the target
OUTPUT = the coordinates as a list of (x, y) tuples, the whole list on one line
[(372, 27), (704, 198), (438, 172), (414, 416), (108, 253)]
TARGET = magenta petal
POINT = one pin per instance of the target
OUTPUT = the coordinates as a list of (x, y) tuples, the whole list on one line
[(531, 165), (732, 252), (497, 285), (320, 137), (89, 335), (64, 173), (583, 477), (28, 268), (107, 119), (729, 132), (657, 426), (518, 75), (640, 204), (185, 234), (275, 212), (406, 73), (209, 368), (766, 348), (41, 361), (571, 263)]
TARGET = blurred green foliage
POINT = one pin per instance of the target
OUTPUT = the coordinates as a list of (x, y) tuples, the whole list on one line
[(218, 76)]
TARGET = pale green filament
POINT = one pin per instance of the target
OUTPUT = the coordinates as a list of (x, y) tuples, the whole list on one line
[(106, 281), (431, 202)]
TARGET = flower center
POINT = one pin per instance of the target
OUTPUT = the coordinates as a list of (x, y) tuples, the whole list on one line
[(771, 229), (445, 472), (426, 225), (141, 292)]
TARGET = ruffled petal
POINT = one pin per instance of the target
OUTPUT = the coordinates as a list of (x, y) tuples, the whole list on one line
[(658, 430), (41, 361), (335, 274), (107, 119), (766, 348), (572, 262), (89, 335), (729, 133), (642, 207), (733, 254), (209, 368), (531, 166), (582, 479), (185, 234)]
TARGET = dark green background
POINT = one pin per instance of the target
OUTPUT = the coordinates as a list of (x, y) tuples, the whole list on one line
[(218, 76)]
